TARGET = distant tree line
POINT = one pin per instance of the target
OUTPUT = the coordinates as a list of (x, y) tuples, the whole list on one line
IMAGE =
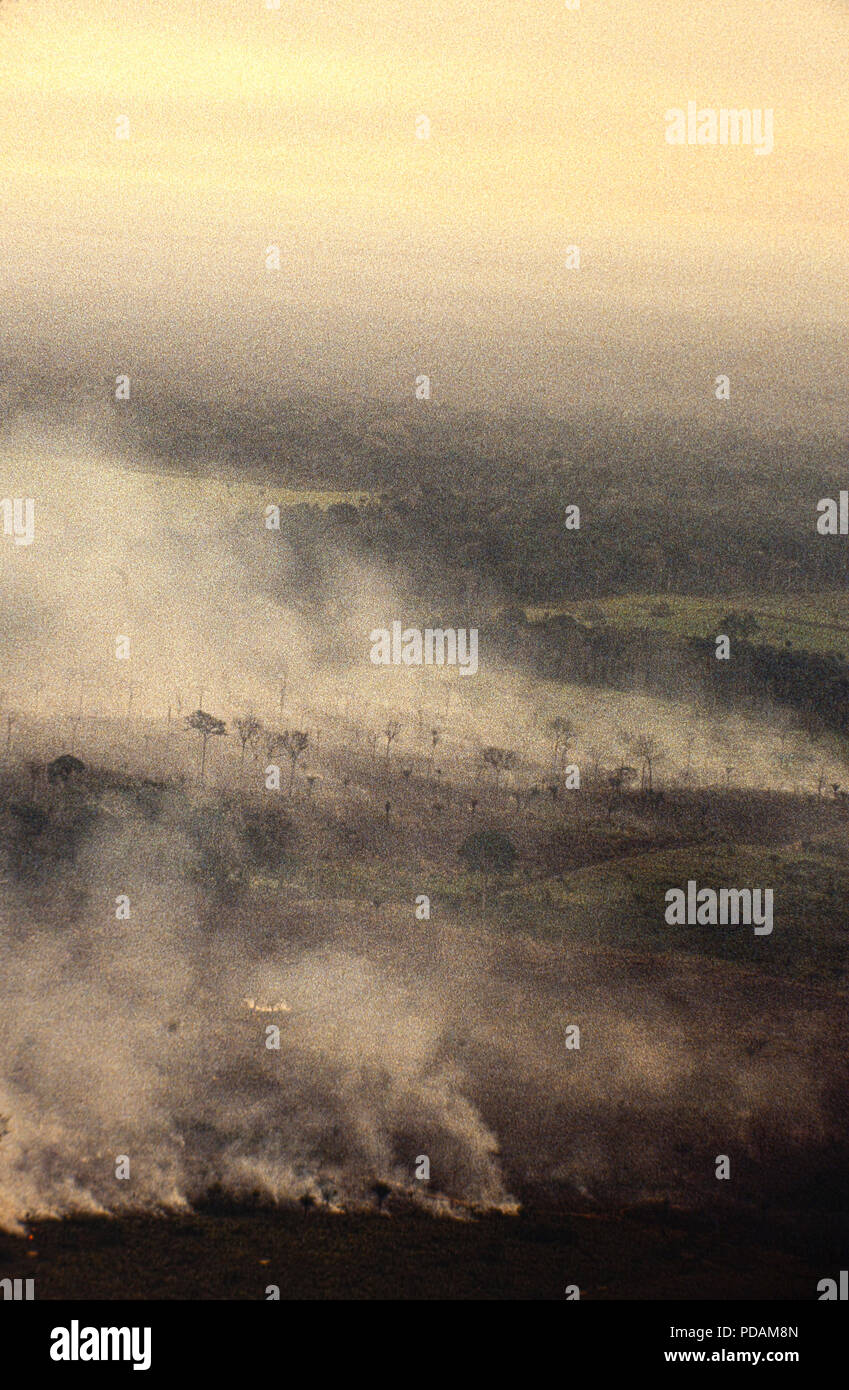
[(814, 685)]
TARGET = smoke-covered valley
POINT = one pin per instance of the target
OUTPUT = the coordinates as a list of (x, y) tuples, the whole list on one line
[(399, 1038)]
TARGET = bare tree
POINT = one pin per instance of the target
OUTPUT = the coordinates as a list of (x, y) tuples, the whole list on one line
[(822, 760), (207, 726), (564, 733), (272, 741), (295, 742), (500, 760), (249, 730), (648, 751), (435, 736), (391, 730)]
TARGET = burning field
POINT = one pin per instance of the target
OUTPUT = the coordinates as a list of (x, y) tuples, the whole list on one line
[(236, 1069)]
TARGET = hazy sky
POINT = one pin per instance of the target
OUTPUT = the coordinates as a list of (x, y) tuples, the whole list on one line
[(297, 127)]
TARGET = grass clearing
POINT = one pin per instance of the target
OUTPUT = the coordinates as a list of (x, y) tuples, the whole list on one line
[(621, 903), (815, 622)]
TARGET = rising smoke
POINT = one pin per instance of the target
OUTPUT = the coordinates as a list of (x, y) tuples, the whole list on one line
[(132, 1037)]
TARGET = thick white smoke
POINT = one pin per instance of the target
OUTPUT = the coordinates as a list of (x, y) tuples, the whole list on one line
[(133, 1038)]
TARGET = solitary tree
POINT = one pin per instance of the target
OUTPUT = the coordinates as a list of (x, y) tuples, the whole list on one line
[(488, 852), (207, 726), (63, 768)]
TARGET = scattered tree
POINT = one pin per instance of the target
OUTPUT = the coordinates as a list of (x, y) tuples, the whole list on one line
[(564, 734), (500, 760), (249, 730), (648, 751), (488, 852), (435, 736), (295, 742), (391, 731), (207, 727)]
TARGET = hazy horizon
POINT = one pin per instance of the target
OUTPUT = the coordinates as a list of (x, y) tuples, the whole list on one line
[(445, 256)]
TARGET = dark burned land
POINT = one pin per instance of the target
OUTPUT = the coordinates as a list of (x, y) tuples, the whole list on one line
[(634, 1254)]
